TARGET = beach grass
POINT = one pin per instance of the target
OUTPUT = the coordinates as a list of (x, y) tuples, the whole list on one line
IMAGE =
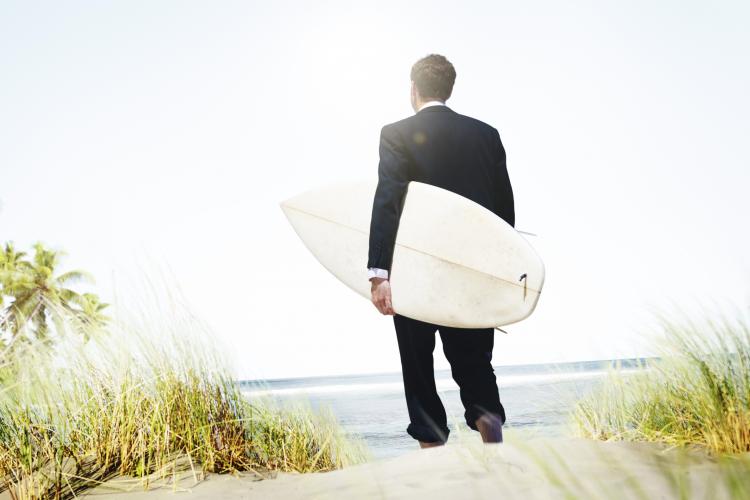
[(696, 393), (137, 400)]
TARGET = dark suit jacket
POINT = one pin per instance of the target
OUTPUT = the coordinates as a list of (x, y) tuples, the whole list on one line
[(440, 147)]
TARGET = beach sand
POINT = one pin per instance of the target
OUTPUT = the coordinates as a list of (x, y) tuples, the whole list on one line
[(540, 468)]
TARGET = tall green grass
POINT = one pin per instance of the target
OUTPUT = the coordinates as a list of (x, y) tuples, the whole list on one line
[(146, 395), (696, 394)]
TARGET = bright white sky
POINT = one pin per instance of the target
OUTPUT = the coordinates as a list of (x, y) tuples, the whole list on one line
[(169, 132)]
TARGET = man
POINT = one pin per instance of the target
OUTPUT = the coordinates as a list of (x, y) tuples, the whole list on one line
[(455, 152)]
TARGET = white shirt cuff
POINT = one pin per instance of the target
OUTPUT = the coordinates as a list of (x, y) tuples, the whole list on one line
[(375, 272)]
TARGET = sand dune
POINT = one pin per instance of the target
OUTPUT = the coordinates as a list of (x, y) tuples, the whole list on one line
[(541, 468)]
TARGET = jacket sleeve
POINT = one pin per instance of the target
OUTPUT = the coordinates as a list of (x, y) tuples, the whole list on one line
[(393, 179), (504, 204)]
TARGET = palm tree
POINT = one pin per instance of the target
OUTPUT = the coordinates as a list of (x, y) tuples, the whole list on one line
[(12, 266), (39, 294), (89, 312)]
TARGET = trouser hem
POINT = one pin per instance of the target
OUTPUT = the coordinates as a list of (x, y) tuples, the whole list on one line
[(472, 416), (428, 434)]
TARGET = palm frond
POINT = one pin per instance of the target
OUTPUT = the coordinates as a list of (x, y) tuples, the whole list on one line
[(74, 276)]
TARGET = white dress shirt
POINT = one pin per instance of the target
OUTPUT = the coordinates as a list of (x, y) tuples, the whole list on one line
[(375, 272)]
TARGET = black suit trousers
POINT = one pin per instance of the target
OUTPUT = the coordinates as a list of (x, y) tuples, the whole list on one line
[(469, 352)]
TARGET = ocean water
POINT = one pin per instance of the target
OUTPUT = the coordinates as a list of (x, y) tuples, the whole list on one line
[(536, 398)]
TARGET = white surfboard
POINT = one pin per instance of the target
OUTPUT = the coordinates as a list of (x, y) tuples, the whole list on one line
[(455, 263)]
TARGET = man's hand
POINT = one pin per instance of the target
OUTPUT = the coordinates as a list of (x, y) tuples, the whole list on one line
[(381, 295)]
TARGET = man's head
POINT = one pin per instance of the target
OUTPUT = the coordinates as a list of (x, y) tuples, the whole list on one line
[(432, 79)]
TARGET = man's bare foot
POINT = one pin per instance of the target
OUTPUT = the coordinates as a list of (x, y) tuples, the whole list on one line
[(490, 428), (422, 444)]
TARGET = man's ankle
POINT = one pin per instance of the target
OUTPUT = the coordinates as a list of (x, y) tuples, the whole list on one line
[(490, 427), (423, 445)]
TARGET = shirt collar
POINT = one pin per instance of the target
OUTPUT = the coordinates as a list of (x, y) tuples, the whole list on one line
[(430, 103)]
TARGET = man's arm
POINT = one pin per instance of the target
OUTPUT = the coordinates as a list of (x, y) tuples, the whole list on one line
[(393, 179), (504, 203)]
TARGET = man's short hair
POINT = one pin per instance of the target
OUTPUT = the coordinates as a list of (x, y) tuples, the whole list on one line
[(434, 76)]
